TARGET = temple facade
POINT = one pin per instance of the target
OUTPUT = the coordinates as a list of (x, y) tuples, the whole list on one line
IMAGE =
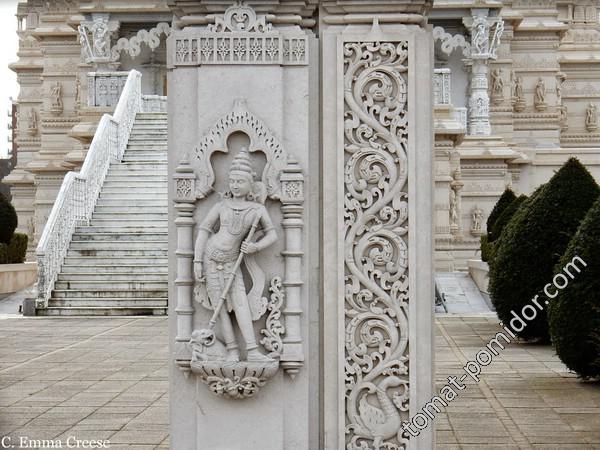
[(516, 87)]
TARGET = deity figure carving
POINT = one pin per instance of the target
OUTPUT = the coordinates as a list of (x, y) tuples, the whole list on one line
[(518, 95), (539, 97), (497, 86), (453, 209), (218, 255), (476, 221), (56, 105), (591, 118), (32, 127), (99, 32)]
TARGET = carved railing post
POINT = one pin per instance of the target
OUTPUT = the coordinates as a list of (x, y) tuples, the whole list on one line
[(185, 198), (292, 200)]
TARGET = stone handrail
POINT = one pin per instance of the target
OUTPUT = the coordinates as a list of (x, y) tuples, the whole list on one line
[(79, 191)]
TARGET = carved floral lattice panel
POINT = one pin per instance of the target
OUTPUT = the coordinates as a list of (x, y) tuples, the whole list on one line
[(376, 238)]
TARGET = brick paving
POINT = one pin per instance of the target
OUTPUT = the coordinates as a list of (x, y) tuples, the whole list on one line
[(107, 378)]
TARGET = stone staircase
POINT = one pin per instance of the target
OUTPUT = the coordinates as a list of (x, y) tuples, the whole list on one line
[(118, 264)]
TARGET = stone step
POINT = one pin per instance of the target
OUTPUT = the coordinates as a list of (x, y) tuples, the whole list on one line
[(95, 236), (109, 293), (155, 199), (132, 212), (119, 245), (151, 228), (120, 173), (127, 222), (117, 253), (147, 211), (108, 303), (155, 164), (118, 267), (111, 277), (159, 189), (128, 285), (145, 157), (134, 179), (138, 183), (150, 125), (85, 262), (102, 311)]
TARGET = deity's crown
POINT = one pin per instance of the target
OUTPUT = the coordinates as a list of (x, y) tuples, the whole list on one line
[(242, 163)]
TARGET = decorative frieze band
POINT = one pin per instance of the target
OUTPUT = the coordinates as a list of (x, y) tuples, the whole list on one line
[(241, 48)]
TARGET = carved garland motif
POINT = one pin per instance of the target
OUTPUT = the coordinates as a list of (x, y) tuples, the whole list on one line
[(375, 215), (133, 46)]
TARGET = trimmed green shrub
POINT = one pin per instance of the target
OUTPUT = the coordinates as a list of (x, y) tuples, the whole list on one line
[(15, 252), (504, 218), (8, 220), (574, 315), (533, 241), (507, 197), (487, 249)]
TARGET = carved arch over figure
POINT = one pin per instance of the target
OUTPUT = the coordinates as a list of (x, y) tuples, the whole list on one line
[(240, 119)]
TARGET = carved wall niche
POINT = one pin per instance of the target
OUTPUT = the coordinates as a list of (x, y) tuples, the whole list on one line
[(216, 109)]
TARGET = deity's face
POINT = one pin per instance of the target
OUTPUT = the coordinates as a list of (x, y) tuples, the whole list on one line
[(240, 184)]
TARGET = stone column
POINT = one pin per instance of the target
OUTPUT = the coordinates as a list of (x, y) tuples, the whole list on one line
[(377, 216), (484, 44), (244, 92)]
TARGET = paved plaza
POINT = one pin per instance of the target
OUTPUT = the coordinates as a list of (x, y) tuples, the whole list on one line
[(106, 378)]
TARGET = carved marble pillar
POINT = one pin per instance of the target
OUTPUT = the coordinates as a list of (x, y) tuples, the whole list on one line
[(485, 38), (243, 379), (377, 216)]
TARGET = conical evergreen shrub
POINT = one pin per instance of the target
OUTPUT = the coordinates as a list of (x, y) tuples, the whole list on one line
[(574, 315), (507, 197), (504, 218), (8, 220), (534, 240)]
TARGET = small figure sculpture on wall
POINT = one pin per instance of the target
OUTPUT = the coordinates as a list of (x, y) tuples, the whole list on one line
[(497, 86), (591, 118), (32, 126), (539, 97), (56, 98), (476, 221), (218, 256), (518, 95)]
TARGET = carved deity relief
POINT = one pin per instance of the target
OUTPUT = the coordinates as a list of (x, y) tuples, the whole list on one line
[(497, 86), (539, 96), (477, 221), (518, 95), (56, 105), (95, 37), (32, 122), (231, 353), (591, 118)]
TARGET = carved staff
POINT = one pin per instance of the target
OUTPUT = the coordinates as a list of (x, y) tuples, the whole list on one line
[(236, 266)]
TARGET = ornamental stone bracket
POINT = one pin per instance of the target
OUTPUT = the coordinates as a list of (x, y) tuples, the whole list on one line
[(95, 38), (240, 37), (217, 363)]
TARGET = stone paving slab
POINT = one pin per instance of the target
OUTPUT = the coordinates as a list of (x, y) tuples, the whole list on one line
[(107, 378)]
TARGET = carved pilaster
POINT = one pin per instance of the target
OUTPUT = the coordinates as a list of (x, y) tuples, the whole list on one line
[(292, 200), (184, 205)]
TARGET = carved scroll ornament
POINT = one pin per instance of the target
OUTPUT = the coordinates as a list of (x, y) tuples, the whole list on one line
[(376, 259)]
